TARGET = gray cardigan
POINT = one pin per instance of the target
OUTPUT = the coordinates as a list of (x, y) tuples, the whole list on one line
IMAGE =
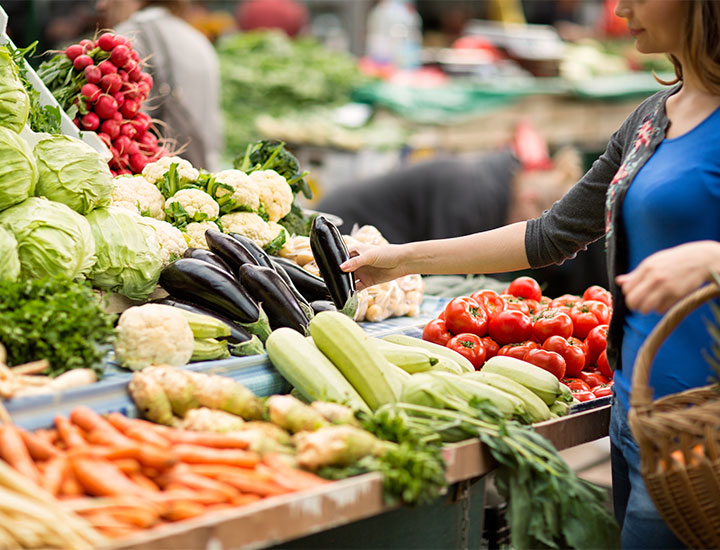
[(592, 208)]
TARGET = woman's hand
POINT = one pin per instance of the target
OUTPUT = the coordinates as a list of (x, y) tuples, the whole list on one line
[(373, 265), (663, 278)]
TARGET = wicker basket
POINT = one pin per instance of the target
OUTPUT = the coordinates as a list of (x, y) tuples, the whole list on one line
[(679, 440)]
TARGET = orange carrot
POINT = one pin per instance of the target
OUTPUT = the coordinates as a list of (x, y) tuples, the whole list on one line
[(102, 431), (183, 509), (144, 453), (108, 525), (69, 487), (216, 470), (15, 453), (196, 454), (102, 478), (50, 436), (68, 433), (182, 474), (127, 465), (290, 477), (144, 481), (54, 474), (245, 498), (207, 439), (137, 516), (38, 448), (176, 491), (134, 430), (250, 481)]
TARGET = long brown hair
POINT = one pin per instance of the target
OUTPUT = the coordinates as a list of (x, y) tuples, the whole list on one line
[(701, 44)]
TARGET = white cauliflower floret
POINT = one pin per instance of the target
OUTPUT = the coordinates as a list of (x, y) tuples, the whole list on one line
[(154, 171), (275, 193), (195, 201), (172, 241), (138, 194), (252, 226), (246, 192), (153, 334), (195, 233)]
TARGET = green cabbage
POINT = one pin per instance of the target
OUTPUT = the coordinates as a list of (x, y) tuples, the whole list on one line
[(128, 252), (53, 240), (18, 172), (8, 256), (71, 172), (14, 99)]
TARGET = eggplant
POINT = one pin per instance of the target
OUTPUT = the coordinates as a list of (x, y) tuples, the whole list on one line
[(310, 286), (322, 305), (232, 251), (208, 286), (261, 257), (329, 251), (209, 257), (275, 297)]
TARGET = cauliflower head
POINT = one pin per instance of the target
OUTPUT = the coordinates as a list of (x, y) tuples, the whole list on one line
[(172, 241), (154, 171), (254, 227), (138, 194), (246, 193), (197, 205), (153, 334), (275, 193), (195, 233)]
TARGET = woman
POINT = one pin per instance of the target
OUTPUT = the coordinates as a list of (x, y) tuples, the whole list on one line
[(655, 195)]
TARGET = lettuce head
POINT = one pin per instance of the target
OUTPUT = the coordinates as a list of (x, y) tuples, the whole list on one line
[(9, 261), (14, 99), (18, 172)]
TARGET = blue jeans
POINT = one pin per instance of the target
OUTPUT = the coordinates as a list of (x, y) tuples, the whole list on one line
[(642, 526)]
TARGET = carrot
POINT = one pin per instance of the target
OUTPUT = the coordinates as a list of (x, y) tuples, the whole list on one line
[(144, 453), (38, 448), (289, 477), (69, 433), (14, 451), (50, 436), (134, 430), (207, 439), (102, 478), (245, 498), (109, 526), (54, 474), (176, 491), (137, 516), (183, 509), (249, 481), (183, 475), (69, 487), (217, 470), (96, 426), (196, 454), (127, 465), (144, 481)]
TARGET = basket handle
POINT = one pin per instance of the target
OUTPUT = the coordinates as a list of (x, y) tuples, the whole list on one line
[(640, 393)]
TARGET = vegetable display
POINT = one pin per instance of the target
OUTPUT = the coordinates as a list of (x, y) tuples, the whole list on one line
[(18, 170), (8, 256), (14, 99)]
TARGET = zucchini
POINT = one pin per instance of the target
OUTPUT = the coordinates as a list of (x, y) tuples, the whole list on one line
[(541, 382), (435, 349)]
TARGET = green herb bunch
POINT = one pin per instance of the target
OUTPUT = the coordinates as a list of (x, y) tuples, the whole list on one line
[(55, 319)]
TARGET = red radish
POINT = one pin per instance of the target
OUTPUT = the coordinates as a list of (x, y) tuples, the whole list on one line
[(93, 74), (111, 128), (117, 117), (123, 161), (147, 79), (107, 67), (73, 51), (142, 123), (129, 108), (135, 56), (138, 162), (134, 74), (122, 143), (121, 40), (120, 98), (90, 121), (82, 61), (106, 41), (124, 172), (123, 75), (148, 140), (128, 130), (76, 121), (113, 172), (105, 139), (111, 83), (106, 106), (143, 89), (120, 55), (87, 45), (133, 148), (91, 92)]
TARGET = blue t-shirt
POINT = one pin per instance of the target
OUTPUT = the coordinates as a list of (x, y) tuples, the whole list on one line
[(674, 199)]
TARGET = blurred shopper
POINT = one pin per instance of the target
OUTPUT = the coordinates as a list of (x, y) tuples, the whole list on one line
[(655, 196), (289, 16), (185, 70)]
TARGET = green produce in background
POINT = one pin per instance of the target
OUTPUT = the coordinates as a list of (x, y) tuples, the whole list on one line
[(18, 172), (71, 172), (53, 240), (14, 100), (128, 253), (8, 256)]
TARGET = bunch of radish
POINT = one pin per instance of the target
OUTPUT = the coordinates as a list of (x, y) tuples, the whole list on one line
[(102, 85)]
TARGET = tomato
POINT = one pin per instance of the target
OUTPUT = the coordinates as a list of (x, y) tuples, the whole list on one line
[(510, 326), (596, 292), (436, 332), (575, 384), (549, 360), (533, 306), (582, 345), (469, 346), (603, 390), (587, 315), (463, 314), (518, 350), (551, 323), (525, 287), (490, 300), (545, 301), (442, 315), (491, 347), (574, 355), (593, 378), (513, 302), (583, 395), (603, 366), (596, 341), (565, 302)]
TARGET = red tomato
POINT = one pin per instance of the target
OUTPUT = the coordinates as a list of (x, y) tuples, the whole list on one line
[(549, 360), (436, 332), (603, 390), (583, 395), (517, 351), (510, 326), (565, 301), (596, 342), (593, 378), (596, 292), (587, 315), (470, 346), (491, 347), (442, 315), (603, 366), (551, 323), (513, 302), (574, 355), (533, 306), (463, 314), (490, 300), (545, 301), (525, 287), (575, 384), (583, 346)]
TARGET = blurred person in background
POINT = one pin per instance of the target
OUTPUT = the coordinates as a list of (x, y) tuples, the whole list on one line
[(186, 76), (289, 16)]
